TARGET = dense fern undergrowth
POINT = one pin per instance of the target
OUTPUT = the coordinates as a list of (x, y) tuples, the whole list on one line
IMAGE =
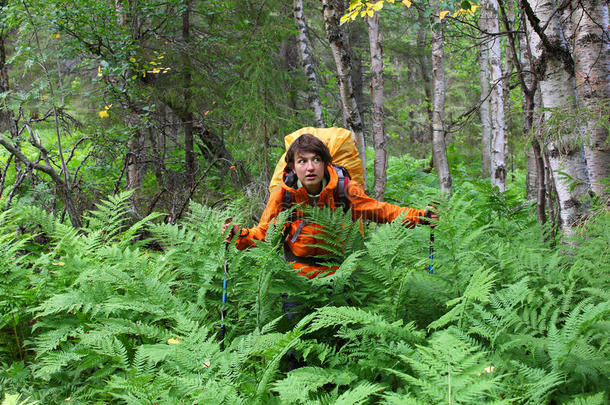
[(121, 312)]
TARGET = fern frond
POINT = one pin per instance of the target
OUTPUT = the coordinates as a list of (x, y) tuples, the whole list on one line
[(358, 394), (300, 383)]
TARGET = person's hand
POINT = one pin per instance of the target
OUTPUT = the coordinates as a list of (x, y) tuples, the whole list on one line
[(431, 215), (234, 229)]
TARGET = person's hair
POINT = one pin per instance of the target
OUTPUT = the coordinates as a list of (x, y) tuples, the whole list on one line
[(308, 143)]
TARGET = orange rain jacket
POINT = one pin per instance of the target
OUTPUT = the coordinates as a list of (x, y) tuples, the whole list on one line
[(362, 206)]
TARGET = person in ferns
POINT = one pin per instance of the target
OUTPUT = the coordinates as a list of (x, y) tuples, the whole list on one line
[(310, 179)]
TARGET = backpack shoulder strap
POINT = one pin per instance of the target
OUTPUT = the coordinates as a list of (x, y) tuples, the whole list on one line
[(342, 182)]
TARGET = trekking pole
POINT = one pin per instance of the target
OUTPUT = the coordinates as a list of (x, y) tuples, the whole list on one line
[(431, 271), (227, 241), (430, 268)]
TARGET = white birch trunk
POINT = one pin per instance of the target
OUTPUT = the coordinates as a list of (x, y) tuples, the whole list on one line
[(558, 93), (591, 50), (507, 72), (336, 38), (439, 150), (313, 96), (499, 149), (380, 163), (484, 110)]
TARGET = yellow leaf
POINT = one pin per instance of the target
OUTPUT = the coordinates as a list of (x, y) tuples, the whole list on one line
[(99, 71), (173, 341), (132, 60), (103, 114), (407, 3), (344, 19), (443, 14), (390, 1), (353, 5), (57, 35), (377, 6), (108, 106), (369, 13)]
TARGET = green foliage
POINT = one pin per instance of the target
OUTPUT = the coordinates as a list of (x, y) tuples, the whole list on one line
[(128, 311)]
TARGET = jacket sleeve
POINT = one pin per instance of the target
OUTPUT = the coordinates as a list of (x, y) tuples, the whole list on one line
[(368, 208), (247, 237)]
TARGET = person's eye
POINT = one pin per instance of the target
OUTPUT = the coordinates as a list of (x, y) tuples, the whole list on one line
[(317, 160), (300, 161)]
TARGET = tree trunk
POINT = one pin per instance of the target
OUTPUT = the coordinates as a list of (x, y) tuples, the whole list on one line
[(424, 65), (381, 160), (557, 87), (591, 50), (507, 70), (336, 38), (439, 150), (484, 110), (303, 46), (187, 115), (354, 36), (499, 150)]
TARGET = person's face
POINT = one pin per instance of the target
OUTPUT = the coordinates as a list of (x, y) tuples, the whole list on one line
[(309, 168)]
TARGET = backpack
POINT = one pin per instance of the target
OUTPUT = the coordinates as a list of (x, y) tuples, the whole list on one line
[(342, 149)]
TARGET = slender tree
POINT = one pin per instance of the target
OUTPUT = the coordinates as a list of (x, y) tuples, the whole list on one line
[(186, 114), (306, 61), (439, 150), (341, 55), (498, 134), (535, 183), (379, 141), (484, 110)]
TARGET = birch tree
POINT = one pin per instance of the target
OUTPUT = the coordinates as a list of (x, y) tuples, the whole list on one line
[(338, 45), (381, 161), (565, 155), (498, 133), (439, 150), (591, 50), (313, 96), (484, 110)]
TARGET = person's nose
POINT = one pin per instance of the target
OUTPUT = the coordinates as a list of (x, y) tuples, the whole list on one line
[(309, 166)]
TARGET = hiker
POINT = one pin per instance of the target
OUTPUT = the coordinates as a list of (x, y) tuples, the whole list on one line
[(310, 178)]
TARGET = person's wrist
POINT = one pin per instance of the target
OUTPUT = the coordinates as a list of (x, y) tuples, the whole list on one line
[(425, 219)]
